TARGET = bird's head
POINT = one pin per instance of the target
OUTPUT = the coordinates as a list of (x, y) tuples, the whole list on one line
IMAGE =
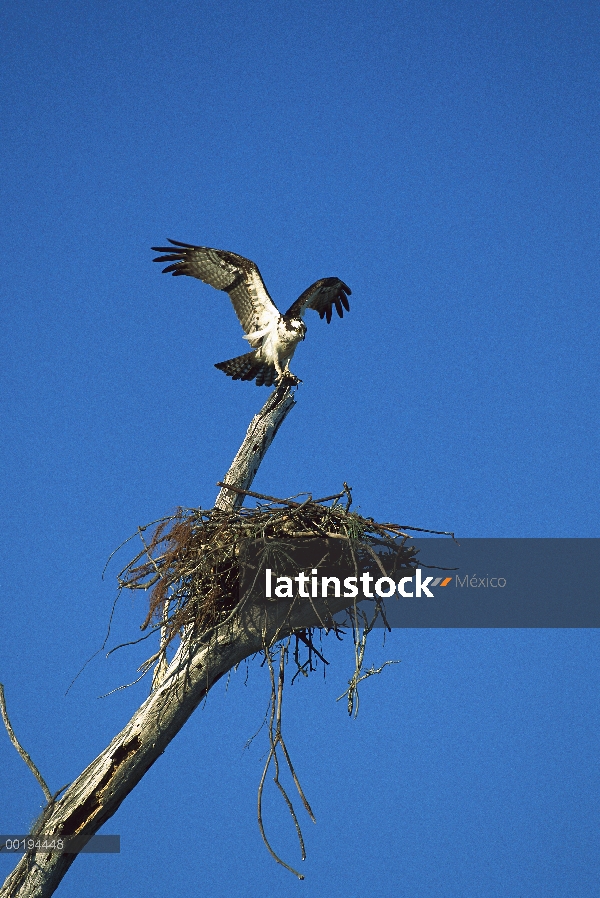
[(297, 326)]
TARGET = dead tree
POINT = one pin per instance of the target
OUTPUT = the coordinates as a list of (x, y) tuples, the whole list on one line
[(198, 664)]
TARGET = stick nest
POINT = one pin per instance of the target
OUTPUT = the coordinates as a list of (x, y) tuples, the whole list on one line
[(190, 564)]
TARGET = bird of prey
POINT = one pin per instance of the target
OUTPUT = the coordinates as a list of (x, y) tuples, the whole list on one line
[(272, 336)]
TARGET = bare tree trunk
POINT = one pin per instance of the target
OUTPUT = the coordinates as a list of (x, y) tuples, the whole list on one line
[(261, 434), (98, 791)]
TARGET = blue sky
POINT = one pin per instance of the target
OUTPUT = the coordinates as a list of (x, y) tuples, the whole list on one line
[(442, 159)]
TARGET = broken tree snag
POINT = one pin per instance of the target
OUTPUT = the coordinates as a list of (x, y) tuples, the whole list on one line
[(215, 638), (261, 434)]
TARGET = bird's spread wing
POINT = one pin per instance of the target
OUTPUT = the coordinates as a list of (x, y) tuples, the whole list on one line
[(238, 277), (321, 297)]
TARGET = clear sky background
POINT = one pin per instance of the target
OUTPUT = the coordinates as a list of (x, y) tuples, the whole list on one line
[(442, 159)]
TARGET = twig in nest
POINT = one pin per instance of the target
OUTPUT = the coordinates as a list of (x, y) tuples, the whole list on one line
[(276, 739), (21, 750), (290, 502), (348, 493), (397, 528)]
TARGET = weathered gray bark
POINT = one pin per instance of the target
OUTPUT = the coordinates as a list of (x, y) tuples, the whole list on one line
[(261, 434), (98, 792)]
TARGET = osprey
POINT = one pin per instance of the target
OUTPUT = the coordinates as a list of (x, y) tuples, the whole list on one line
[(273, 336)]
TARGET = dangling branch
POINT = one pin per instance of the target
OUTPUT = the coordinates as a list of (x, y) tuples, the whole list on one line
[(276, 738), (360, 646), (20, 748)]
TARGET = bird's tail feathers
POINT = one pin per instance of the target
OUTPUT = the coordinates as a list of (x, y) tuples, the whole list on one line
[(249, 367)]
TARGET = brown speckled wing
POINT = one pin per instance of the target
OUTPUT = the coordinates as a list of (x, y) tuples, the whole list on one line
[(237, 276)]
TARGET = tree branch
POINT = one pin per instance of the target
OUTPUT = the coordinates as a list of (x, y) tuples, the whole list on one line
[(20, 748), (259, 437)]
